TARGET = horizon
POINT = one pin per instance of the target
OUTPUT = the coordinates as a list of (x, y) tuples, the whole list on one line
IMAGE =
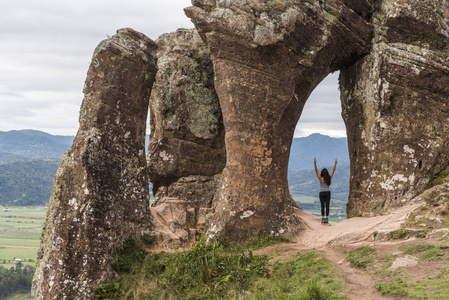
[(74, 135), (47, 51)]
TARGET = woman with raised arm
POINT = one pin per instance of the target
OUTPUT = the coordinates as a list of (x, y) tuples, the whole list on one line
[(325, 193)]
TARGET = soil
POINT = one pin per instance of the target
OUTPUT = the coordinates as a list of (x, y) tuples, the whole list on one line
[(335, 241)]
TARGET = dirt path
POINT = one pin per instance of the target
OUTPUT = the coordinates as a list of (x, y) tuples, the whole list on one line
[(360, 284), (350, 230), (327, 239)]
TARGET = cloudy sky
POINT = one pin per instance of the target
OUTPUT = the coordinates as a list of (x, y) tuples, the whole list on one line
[(47, 45)]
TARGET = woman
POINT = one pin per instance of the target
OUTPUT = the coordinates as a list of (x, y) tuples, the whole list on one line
[(325, 193)]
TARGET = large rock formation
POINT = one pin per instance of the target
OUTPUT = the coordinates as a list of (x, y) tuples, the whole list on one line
[(268, 57), (186, 148), (187, 135), (101, 194), (395, 105)]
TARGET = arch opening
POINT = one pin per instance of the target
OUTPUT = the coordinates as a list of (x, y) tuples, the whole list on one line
[(321, 133)]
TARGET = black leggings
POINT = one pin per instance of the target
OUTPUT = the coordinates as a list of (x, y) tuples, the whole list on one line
[(325, 199)]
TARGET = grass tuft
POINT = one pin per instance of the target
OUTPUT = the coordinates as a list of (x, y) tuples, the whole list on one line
[(361, 257)]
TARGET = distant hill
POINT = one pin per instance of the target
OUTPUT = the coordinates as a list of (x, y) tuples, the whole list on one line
[(306, 183), (28, 163), (6, 158), (323, 147), (27, 183), (29, 159), (33, 144)]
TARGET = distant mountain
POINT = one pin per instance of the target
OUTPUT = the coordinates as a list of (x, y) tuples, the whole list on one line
[(33, 144), (306, 183), (28, 163), (29, 159), (6, 158), (323, 147), (27, 183)]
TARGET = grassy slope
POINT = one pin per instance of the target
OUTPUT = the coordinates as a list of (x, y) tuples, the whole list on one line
[(422, 243), (217, 271)]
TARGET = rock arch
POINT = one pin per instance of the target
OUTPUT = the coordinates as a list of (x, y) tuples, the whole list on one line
[(267, 61), (268, 56)]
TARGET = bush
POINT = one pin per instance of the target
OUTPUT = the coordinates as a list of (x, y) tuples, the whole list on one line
[(398, 234), (206, 271), (361, 257), (108, 291), (314, 290), (130, 254)]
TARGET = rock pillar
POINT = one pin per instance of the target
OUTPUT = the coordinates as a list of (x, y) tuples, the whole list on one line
[(267, 59), (394, 104), (187, 134), (186, 151), (100, 195)]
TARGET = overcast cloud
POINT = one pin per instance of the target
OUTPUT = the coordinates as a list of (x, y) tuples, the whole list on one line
[(47, 45)]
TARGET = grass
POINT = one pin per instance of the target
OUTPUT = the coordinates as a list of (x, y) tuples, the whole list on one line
[(305, 276), (20, 230), (216, 271), (407, 282), (362, 257), (432, 287), (427, 252), (206, 271)]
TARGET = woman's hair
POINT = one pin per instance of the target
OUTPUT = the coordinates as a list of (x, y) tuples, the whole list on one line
[(326, 176)]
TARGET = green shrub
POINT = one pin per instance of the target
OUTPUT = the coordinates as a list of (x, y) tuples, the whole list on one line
[(421, 235), (130, 254), (314, 290), (398, 234), (108, 291), (361, 257)]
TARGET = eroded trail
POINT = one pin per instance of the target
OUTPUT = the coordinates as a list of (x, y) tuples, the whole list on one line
[(360, 284), (330, 239), (351, 230)]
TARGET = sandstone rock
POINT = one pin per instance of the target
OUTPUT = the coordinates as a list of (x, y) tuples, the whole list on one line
[(187, 135), (100, 195), (395, 106), (186, 149), (198, 190), (176, 222), (268, 56)]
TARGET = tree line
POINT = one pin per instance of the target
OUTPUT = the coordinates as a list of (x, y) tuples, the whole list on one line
[(16, 279)]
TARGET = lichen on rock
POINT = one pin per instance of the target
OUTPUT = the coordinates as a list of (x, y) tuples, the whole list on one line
[(394, 105), (187, 135)]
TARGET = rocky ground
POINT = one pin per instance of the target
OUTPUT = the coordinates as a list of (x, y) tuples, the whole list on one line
[(408, 244)]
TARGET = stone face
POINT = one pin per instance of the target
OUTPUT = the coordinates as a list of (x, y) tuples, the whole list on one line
[(100, 195), (395, 106), (187, 135), (268, 56)]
